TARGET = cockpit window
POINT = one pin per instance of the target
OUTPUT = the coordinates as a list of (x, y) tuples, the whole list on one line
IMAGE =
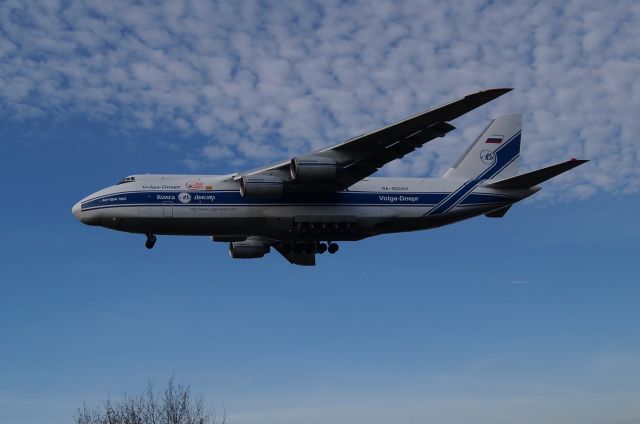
[(127, 180)]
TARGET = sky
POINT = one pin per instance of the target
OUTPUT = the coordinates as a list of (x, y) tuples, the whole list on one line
[(528, 318)]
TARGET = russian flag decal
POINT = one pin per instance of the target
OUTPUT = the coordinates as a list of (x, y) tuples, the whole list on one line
[(495, 139)]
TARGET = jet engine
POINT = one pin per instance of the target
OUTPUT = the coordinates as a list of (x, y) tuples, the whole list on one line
[(261, 186), (248, 249), (312, 168)]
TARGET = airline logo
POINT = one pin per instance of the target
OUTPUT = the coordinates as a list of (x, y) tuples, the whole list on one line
[(495, 139), (184, 197), (487, 157), (194, 185)]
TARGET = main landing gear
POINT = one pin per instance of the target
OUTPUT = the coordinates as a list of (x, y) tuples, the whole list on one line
[(151, 241), (310, 247), (324, 247)]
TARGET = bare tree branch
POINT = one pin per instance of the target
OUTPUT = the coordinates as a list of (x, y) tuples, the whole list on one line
[(176, 405)]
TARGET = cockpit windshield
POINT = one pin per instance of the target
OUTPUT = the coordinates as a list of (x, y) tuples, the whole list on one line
[(127, 180)]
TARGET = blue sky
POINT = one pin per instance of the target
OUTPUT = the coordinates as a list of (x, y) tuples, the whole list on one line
[(525, 319)]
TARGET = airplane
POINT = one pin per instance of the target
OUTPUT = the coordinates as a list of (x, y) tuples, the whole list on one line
[(301, 207)]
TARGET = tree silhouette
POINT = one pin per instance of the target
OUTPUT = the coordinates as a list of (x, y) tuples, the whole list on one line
[(175, 405)]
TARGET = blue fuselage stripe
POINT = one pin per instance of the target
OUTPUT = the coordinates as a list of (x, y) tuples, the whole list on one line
[(234, 198), (505, 155)]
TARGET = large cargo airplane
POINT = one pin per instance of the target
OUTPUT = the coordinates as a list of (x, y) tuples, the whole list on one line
[(303, 206)]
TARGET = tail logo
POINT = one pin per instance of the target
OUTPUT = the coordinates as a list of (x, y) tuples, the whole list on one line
[(487, 157)]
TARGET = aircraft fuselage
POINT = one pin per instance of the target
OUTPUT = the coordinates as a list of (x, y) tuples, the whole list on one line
[(214, 206)]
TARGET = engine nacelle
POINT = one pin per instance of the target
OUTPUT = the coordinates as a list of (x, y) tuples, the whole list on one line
[(261, 186), (312, 168), (248, 249)]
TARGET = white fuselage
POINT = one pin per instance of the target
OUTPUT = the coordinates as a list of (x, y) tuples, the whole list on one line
[(213, 206)]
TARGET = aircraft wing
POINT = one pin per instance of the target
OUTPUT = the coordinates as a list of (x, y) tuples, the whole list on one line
[(344, 164)]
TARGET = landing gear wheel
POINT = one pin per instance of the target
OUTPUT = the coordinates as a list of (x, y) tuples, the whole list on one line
[(333, 248), (151, 241), (322, 247)]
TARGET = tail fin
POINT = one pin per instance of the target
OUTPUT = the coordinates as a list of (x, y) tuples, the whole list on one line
[(494, 153), (534, 178)]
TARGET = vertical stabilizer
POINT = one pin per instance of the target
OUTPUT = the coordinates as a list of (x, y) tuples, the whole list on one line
[(494, 154)]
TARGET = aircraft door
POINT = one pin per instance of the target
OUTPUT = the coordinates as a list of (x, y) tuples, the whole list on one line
[(167, 209)]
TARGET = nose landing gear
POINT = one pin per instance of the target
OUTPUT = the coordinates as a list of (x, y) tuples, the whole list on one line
[(151, 241)]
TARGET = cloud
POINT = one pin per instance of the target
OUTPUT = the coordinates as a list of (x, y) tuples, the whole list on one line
[(265, 80), (518, 283), (618, 363)]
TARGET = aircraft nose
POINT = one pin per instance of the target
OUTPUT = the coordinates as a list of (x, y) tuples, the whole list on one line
[(76, 210), (86, 217)]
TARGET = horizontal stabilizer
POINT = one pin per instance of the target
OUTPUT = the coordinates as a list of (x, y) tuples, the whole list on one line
[(531, 179)]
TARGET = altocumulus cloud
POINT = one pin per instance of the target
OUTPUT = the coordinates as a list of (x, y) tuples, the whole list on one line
[(257, 81)]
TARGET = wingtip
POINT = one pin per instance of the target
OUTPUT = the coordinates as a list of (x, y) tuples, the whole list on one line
[(491, 93), (501, 90)]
